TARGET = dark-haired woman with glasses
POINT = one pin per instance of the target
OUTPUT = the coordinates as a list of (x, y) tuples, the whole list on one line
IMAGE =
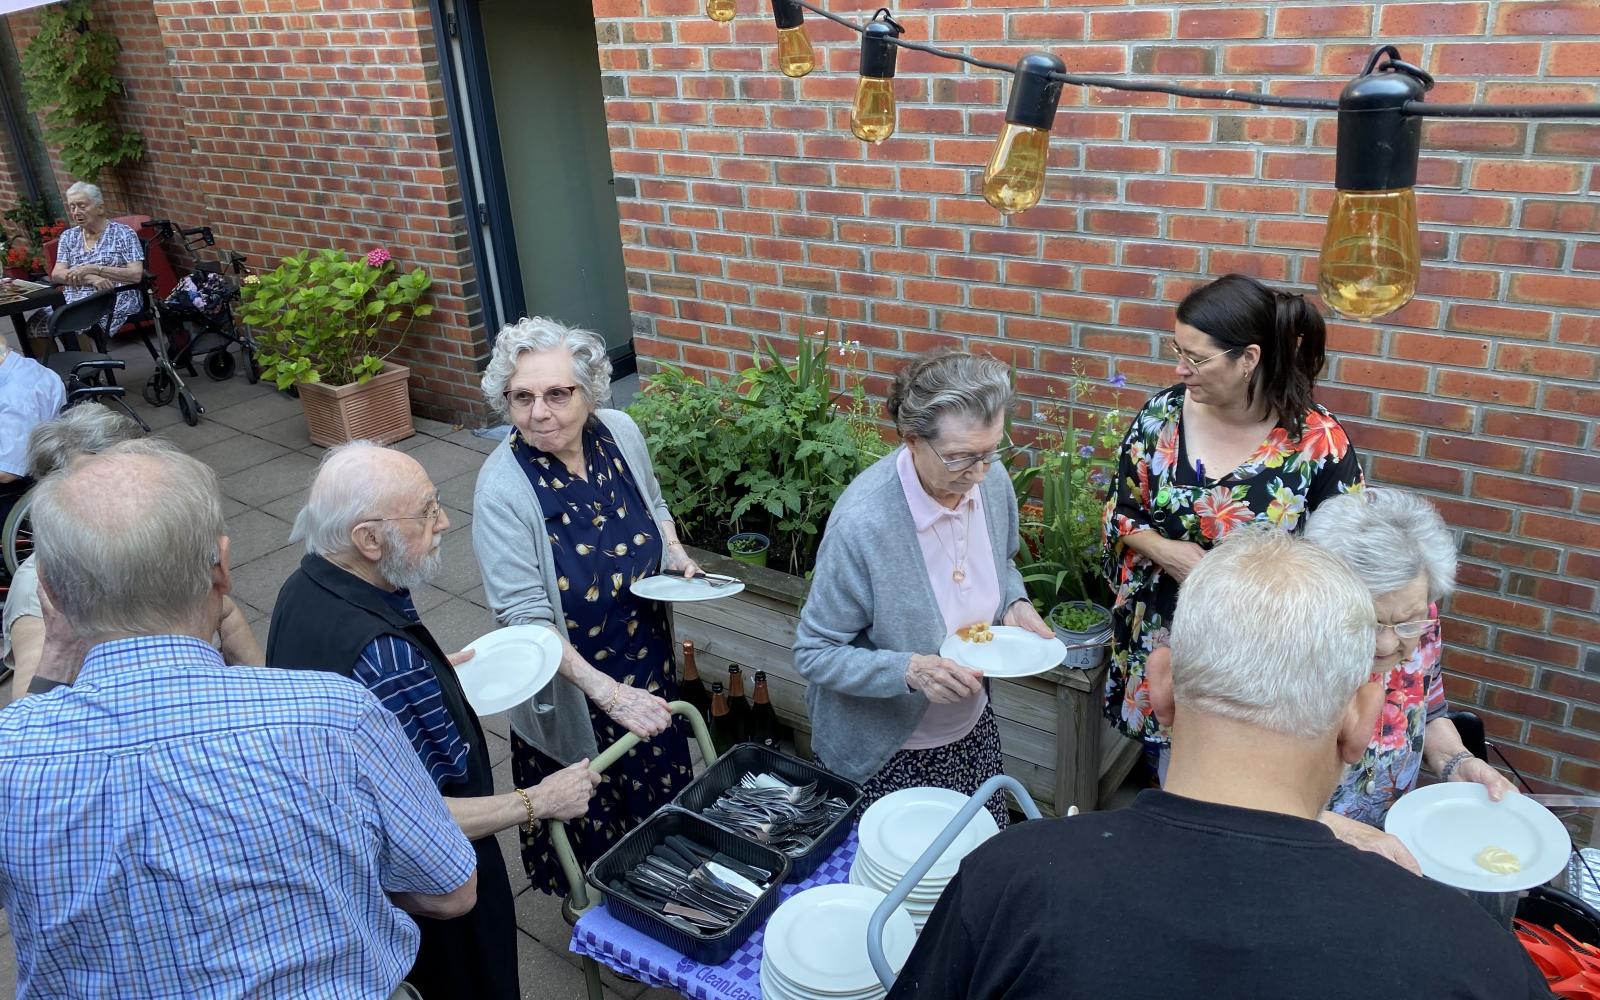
[(919, 545), (1237, 441), (567, 514)]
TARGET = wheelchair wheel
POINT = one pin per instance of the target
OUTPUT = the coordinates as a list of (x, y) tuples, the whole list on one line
[(189, 409), (219, 365), (159, 389), (16, 536)]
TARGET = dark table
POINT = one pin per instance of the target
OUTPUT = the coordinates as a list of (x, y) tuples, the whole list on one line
[(51, 296)]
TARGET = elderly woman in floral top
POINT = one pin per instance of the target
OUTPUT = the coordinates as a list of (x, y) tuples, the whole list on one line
[(1237, 441), (98, 254), (1399, 546)]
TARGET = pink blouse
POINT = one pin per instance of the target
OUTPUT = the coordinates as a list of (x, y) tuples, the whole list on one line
[(951, 538)]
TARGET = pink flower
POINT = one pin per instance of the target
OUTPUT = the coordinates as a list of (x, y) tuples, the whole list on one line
[(378, 257)]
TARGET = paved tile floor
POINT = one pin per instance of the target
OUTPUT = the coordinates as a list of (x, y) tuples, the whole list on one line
[(256, 440)]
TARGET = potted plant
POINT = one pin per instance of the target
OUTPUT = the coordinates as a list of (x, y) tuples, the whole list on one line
[(749, 547), (1060, 556), (318, 319)]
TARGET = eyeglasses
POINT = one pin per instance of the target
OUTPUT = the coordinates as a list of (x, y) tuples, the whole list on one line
[(964, 462), (1171, 351), (554, 397), (1412, 629), (430, 515)]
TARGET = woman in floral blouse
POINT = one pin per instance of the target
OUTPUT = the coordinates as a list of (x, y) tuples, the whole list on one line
[(1237, 441)]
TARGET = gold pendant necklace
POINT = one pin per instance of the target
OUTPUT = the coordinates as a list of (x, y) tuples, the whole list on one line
[(958, 571)]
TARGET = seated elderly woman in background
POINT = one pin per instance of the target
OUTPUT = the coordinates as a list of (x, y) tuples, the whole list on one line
[(85, 430), (567, 514), (98, 253), (919, 545), (1399, 546)]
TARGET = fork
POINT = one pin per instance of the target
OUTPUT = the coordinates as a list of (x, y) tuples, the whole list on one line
[(716, 580)]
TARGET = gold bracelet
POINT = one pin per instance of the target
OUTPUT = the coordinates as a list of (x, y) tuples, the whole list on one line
[(527, 804), (616, 699)]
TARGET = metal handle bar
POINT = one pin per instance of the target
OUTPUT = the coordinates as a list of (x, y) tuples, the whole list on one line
[(913, 875), (577, 891)]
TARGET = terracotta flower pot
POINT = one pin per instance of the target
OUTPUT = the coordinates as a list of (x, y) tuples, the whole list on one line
[(378, 409)]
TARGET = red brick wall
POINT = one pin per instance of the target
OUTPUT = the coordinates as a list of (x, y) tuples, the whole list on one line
[(749, 210), (296, 124)]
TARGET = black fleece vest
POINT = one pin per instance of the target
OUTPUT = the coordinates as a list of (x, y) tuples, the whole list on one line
[(325, 617)]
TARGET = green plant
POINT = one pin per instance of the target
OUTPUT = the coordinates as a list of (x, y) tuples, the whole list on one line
[(28, 219), (746, 545), (69, 73), (768, 450), (1078, 617), (318, 318), (1074, 465)]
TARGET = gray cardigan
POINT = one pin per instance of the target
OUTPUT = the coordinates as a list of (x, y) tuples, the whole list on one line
[(519, 577), (871, 607)]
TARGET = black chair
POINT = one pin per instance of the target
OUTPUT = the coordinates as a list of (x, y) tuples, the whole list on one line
[(87, 374)]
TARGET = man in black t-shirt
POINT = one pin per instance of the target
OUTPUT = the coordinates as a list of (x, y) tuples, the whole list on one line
[(1224, 886)]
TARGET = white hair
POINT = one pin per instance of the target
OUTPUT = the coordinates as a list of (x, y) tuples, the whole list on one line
[(82, 430), (1272, 631), (90, 191), (1387, 536), (127, 540), (591, 366), (342, 495)]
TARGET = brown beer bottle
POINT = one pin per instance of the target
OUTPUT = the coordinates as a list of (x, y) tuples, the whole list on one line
[(764, 726), (721, 726), (738, 705), (690, 687)]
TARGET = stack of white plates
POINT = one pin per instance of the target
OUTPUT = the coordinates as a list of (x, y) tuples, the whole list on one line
[(897, 828), (816, 945)]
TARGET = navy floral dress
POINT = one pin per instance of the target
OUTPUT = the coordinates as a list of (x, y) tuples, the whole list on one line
[(1158, 488), (603, 537)]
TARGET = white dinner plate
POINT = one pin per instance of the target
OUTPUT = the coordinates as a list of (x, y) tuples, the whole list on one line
[(897, 828), (676, 588), (512, 665), (926, 891), (817, 939), (1013, 652), (1444, 826)]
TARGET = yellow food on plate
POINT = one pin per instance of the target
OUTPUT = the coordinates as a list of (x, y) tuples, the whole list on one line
[(1498, 860), (975, 633)]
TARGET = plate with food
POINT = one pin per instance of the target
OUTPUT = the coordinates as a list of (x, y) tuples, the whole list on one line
[(1462, 839), (1003, 650)]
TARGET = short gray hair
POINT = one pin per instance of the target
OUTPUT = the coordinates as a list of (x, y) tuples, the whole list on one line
[(1387, 536), (1272, 631), (127, 540), (591, 366), (340, 498), (90, 191), (82, 430), (945, 382)]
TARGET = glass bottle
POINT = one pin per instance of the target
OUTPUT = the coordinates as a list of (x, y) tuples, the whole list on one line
[(690, 687), (764, 726), (722, 738)]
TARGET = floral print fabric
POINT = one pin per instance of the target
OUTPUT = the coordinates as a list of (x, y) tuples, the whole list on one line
[(1413, 696), (119, 246), (1158, 489)]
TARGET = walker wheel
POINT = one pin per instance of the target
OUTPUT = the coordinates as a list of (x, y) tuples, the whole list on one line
[(187, 407), (219, 366), (159, 389)]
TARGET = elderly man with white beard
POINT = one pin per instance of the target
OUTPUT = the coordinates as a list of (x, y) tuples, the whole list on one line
[(372, 527)]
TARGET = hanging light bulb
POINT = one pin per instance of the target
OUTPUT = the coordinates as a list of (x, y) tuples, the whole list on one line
[(872, 116), (1370, 255), (720, 10), (795, 57), (1014, 178)]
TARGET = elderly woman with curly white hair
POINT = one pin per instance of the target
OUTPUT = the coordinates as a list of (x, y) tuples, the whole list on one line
[(566, 515)]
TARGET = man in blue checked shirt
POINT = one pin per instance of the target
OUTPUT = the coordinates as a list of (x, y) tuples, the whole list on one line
[(173, 827), (373, 526)]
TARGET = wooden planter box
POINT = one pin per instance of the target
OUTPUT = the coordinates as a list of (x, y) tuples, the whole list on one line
[(1054, 738), (378, 409)]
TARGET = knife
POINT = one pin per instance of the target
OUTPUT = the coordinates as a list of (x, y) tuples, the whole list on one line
[(714, 579)]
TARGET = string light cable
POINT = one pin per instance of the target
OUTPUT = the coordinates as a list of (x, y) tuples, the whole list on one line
[(1370, 260)]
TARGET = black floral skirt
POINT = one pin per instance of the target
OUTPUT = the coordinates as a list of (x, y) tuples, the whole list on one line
[(962, 766)]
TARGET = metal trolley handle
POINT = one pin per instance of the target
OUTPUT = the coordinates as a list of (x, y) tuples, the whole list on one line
[(902, 889), (577, 891)]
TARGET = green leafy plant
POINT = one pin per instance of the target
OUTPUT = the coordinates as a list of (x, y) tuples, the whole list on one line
[(1073, 467), (319, 318), (69, 72), (746, 545), (768, 450), (1078, 617)]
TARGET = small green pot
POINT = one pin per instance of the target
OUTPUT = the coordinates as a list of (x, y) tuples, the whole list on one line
[(749, 547)]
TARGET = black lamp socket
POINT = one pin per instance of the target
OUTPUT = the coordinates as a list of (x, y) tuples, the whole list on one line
[(1034, 96)]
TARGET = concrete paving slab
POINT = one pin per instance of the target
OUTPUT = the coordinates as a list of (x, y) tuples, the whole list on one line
[(237, 453), (457, 493), (290, 432), (252, 534), (257, 582), (458, 564), (477, 596), (434, 428), (427, 597), (445, 461), (457, 622), (192, 439), (466, 439), (271, 480), (545, 975), (288, 508), (258, 411)]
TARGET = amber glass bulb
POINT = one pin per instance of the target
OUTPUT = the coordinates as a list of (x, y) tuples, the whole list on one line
[(1370, 257), (872, 117), (795, 57), (1014, 179), (720, 10)]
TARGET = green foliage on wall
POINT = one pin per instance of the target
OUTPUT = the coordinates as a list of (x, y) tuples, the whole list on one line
[(69, 73)]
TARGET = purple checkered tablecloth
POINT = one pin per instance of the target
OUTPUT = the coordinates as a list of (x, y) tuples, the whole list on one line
[(608, 941)]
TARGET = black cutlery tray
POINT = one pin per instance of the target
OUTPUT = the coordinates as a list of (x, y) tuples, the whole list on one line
[(705, 948), (705, 790)]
